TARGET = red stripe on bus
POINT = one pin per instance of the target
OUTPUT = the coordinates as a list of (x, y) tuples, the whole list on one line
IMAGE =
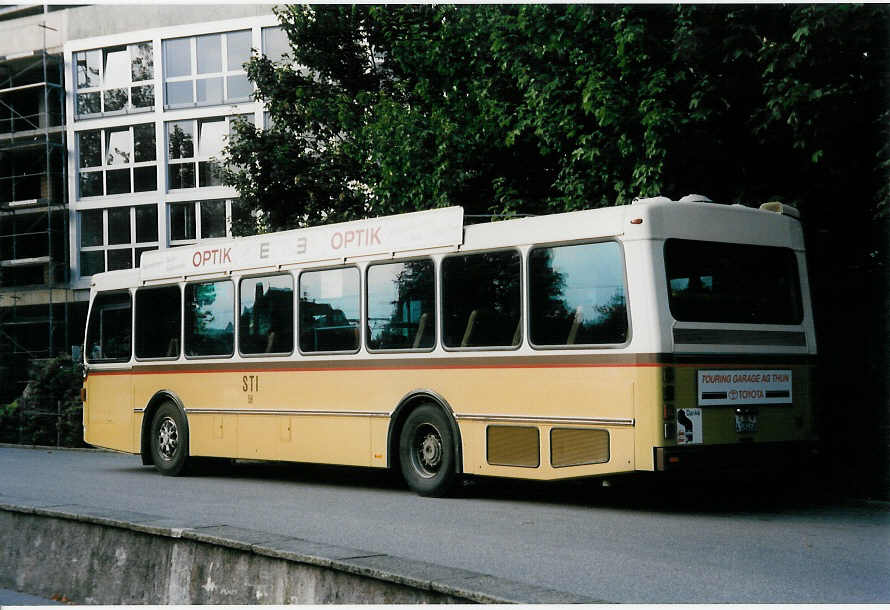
[(370, 368), (430, 367)]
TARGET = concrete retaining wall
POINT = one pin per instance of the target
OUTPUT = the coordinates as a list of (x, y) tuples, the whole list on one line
[(97, 556)]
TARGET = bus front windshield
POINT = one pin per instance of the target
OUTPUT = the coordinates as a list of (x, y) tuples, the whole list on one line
[(732, 283)]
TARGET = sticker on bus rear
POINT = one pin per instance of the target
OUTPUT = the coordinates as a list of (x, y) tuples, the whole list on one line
[(744, 387), (689, 428)]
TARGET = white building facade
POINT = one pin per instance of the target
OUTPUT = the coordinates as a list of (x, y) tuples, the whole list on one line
[(149, 113)]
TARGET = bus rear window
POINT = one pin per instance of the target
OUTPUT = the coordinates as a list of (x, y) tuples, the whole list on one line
[(736, 283)]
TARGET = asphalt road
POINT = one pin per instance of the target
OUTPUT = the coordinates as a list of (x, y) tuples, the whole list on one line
[(638, 542)]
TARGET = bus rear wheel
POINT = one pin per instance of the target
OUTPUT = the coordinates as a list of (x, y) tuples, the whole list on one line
[(426, 452), (169, 440)]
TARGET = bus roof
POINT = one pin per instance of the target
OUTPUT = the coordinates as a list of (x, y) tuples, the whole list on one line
[(442, 229)]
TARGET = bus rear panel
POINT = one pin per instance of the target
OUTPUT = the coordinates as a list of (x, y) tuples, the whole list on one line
[(737, 386)]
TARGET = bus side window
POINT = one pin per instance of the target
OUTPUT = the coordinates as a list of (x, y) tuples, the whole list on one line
[(329, 310), (210, 319), (266, 318), (158, 322), (481, 299), (109, 331), (401, 305), (577, 295)]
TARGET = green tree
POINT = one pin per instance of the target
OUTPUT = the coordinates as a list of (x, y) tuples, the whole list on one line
[(546, 108)]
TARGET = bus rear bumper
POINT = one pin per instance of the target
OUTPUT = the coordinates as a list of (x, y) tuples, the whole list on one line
[(747, 457)]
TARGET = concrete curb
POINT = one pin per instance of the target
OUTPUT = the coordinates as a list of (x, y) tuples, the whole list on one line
[(371, 576)]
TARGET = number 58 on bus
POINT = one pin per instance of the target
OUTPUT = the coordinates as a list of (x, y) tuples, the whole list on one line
[(657, 336)]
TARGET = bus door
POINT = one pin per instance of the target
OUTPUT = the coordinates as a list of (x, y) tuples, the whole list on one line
[(108, 410)]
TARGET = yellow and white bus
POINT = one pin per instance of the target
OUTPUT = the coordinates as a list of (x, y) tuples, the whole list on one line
[(657, 336)]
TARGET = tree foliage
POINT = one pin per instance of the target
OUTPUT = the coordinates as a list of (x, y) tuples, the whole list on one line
[(49, 411), (538, 108)]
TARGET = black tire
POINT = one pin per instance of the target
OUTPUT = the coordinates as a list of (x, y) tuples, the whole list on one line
[(169, 440), (426, 451)]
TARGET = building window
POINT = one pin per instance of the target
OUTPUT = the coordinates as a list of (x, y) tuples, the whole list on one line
[(194, 220), (115, 238), (191, 166), (206, 70), (116, 160), (114, 80), (275, 43)]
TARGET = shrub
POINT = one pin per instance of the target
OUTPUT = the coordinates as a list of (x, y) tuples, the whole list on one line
[(49, 411)]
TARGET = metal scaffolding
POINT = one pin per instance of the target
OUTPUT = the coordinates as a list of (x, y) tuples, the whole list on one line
[(33, 207)]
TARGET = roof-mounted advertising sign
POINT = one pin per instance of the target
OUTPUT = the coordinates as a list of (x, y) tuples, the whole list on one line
[(405, 232)]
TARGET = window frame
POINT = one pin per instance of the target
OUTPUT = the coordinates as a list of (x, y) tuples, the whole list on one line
[(197, 205), (211, 280), (103, 168), (132, 245), (294, 314), (197, 159), (101, 89), (181, 322), (624, 274), (362, 314), (436, 315), (522, 305), (194, 76), (180, 161), (281, 59)]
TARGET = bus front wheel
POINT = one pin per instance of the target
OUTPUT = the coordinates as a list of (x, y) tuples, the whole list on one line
[(169, 440), (426, 452)]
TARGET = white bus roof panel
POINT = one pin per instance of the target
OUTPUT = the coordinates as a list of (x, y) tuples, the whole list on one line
[(718, 222), (566, 226)]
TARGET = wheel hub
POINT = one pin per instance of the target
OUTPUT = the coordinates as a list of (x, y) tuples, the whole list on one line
[(168, 438), (431, 451), (428, 450)]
